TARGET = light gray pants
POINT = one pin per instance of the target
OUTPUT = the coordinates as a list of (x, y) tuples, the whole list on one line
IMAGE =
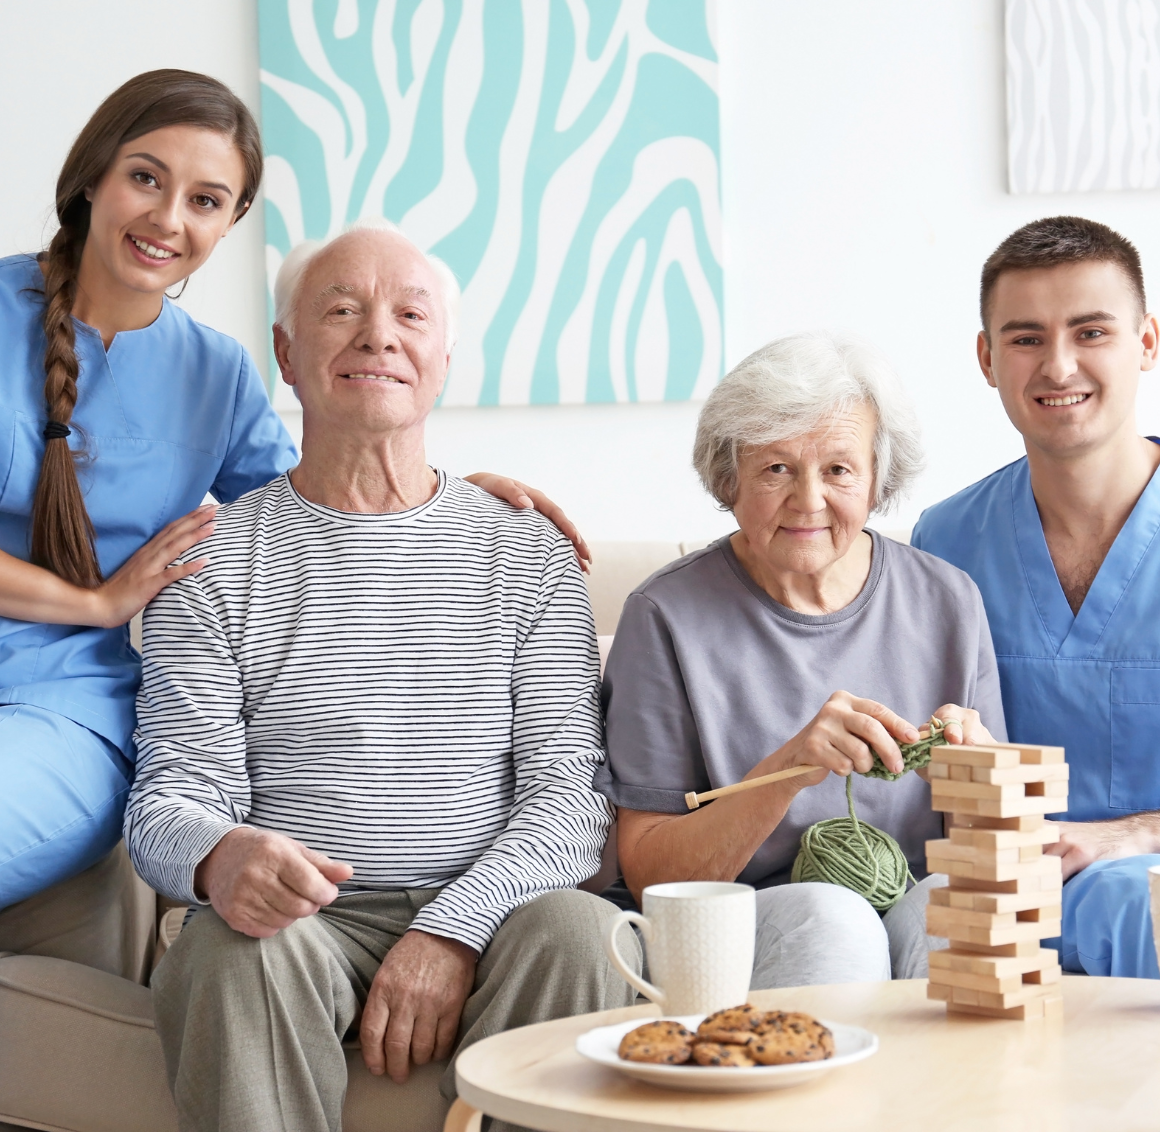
[(809, 934), (252, 1029)]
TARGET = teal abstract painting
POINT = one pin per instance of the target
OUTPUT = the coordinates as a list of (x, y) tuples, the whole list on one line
[(562, 156)]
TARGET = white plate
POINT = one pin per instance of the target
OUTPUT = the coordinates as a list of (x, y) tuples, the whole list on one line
[(851, 1043)]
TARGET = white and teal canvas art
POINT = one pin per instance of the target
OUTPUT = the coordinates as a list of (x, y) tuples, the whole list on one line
[(562, 156)]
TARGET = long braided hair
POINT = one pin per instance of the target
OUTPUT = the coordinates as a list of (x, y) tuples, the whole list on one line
[(63, 538)]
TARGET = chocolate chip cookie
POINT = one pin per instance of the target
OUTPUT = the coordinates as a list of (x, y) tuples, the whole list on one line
[(720, 1053), (662, 1043), (781, 1038)]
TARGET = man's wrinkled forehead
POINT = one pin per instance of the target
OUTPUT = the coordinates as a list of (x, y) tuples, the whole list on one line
[(364, 264)]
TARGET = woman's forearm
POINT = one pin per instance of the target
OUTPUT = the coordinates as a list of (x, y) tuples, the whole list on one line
[(712, 843), (31, 593)]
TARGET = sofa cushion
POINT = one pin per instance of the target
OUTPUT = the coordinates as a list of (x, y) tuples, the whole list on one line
[(78, 1052)]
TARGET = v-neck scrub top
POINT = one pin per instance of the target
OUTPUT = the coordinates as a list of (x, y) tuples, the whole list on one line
[(1088, 682), (168, 413)]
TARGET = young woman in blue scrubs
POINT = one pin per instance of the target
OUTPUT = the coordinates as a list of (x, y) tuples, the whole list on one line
[(118, 414)]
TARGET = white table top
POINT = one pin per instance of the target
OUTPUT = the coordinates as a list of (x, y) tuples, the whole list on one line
[(1096, 1070)]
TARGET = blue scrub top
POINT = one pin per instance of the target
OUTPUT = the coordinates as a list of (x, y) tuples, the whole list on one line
[(169, 413), (1090, 682)]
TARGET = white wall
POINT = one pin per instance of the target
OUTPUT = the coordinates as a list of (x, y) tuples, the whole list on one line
[(864, 184)]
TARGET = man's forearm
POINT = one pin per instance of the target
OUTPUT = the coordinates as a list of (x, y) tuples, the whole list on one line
[(526, 861), (1142, 828)]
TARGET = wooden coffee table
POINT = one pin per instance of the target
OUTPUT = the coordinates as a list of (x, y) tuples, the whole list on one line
[(1097, 1069)]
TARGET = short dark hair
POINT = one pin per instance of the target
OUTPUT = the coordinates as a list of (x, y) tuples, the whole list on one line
[(1056, 240)]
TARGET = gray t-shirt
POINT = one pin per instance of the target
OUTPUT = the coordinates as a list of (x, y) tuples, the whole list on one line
[(708, 675)]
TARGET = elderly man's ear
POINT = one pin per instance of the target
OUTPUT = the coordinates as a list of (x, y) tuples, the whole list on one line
[(282, 354)]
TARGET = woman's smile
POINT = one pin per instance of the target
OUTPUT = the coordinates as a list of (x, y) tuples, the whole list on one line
[(150, 252)]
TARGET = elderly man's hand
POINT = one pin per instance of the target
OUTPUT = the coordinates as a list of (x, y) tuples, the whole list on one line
[(1083, 842), (843, 736), (260, 882), (414, 1004)]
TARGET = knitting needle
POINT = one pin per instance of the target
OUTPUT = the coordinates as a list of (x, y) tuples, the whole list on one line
[(693, 800)]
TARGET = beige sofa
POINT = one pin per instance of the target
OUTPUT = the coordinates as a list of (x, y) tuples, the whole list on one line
[(78, 1051)]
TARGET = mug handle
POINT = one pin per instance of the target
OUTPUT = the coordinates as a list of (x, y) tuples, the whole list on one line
[(617, 960)]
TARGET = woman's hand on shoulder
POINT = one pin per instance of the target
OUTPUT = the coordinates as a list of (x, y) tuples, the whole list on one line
[(32, 593), (525, 498), (963, 726), (844, 735), (152, 568)]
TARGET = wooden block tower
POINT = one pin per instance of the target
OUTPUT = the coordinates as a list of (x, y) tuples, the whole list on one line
[(1005, 894)]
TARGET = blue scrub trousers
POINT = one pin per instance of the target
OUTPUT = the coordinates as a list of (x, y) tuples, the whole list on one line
[(1107, 920), (63, 790)]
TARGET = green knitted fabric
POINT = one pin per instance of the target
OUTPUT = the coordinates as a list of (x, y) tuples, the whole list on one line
[(858, 856), (914, 755)]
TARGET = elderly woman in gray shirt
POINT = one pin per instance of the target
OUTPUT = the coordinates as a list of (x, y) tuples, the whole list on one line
[(805, 635)]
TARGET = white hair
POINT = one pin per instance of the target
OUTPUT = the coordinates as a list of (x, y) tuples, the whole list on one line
[(791, 386), (299, 258)]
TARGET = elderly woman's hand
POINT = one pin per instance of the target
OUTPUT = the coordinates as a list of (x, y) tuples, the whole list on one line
[(963, 725), (842, 737)]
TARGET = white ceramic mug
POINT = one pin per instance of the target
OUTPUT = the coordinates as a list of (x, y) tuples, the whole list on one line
[(699, 938), (1154, 886)]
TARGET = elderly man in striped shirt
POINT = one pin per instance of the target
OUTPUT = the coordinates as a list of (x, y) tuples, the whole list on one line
[(368, 728)]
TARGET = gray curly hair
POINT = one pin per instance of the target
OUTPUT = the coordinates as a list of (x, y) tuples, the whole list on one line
[(788, 388)]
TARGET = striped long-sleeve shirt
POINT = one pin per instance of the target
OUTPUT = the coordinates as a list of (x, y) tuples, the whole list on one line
[(415, 693)]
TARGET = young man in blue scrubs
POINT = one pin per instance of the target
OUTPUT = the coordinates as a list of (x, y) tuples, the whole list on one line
[(1065, 546)]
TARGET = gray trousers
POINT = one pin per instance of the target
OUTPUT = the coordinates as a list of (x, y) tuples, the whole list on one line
[(252, 1029), (809, 934)]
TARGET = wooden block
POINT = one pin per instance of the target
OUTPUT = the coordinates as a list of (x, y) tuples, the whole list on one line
[(1041, 754), (1046, 914), (939, 991), (994, 807), (958, 773), (1012, 989), (974, 756), (967, 788), (1030, 852), (967, 980), (947, 849), (1017, 807), (939, 770), (973, 900), (993, 966), (960, 807), (1024, 993), (1048, 882), (991, 870), (1054, 789), (1045, 975), (1025, 823), (1024, 772), (1023, 949), (1049, 1006), (942, 922), (1032, 752)]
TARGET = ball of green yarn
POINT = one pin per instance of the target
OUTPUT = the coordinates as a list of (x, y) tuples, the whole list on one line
[(858, 856)]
